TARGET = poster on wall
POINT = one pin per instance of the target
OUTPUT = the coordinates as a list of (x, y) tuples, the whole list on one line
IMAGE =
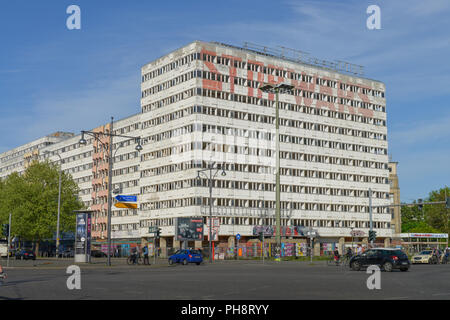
[(215, 228), (189, 229)]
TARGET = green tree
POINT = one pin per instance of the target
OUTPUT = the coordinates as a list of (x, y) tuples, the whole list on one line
[(437, 215), (433, 218), (32, 198)]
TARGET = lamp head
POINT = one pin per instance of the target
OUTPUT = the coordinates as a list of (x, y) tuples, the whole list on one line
[(82, 141)]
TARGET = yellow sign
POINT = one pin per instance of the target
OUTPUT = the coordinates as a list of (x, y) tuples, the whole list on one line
[(126, 205)]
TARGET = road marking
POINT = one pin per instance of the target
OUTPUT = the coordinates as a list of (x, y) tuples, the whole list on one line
[(441, 294), (396, 298)]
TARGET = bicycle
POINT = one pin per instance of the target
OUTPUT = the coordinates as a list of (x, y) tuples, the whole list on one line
[(131, 260), (343, 260), (333, 261)]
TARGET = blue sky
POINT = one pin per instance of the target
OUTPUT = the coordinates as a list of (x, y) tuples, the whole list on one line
[(54, 79)]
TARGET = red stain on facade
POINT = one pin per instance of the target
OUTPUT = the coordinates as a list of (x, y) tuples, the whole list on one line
[(306, 89), (250, 78), (212, 84)]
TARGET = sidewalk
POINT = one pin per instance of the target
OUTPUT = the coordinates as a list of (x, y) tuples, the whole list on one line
[(59, 263)]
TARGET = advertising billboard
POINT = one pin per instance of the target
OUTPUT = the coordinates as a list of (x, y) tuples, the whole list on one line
[(83, 237), (215, 228), (189, 229)]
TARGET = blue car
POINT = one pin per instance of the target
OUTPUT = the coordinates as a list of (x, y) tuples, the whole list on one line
[(186, 256)]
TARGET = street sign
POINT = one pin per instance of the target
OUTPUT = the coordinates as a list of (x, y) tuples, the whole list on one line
[(122, 198), (238, 236), (152, 229), (357, 233), (126, 205)]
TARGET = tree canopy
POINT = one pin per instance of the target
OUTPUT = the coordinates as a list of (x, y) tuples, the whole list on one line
[(32, 199), (432, 218)]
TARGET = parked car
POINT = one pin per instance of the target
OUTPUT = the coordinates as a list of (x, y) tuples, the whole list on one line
[(387, 258), (98, 254), (186, 256), (426, 256), (68, 253), (25, 254)]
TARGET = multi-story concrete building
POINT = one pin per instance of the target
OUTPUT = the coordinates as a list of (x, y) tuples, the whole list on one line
[(201, 104), (17, 159)]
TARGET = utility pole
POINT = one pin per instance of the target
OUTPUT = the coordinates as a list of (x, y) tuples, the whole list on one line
[(59, 208), (277, 89), (154, 249), (110, 167), (370, 214), (9, 240)]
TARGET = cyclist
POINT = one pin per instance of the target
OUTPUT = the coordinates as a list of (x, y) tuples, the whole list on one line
[(349, 253), (436, 256), (446, 256), (336, 255), (134, 256), (2, 274)]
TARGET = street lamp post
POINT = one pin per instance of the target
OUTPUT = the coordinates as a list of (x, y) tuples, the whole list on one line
[(59, 203), (351, 233), (96, 135), (211, 179), (277, 89)]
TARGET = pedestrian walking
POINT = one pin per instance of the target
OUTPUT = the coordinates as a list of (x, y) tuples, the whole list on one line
[(359, 249), (2, 275), (145, 251)]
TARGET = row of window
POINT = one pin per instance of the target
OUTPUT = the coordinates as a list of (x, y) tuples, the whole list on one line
[(23, 152), (255, 84), (296, 92), (242, 115), (257, 204), (170, 66), (280, 72), (251, 221), (253, 117), (252, 168), (261, 152), (272, 70), (261, 186), (289, 106)]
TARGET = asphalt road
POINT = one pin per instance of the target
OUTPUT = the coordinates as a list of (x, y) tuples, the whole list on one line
[(229, 280)]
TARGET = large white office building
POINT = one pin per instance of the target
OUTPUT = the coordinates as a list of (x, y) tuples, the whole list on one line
[(201, 105)]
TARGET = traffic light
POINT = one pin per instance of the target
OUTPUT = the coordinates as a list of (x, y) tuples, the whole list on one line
[(158, 233), (5, 230), (447, 202), (372, 235), (419, 204), (261, 236)]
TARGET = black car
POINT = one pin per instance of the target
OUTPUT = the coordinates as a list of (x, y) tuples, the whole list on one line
[(387, 258), (98, 254), (25, 255)]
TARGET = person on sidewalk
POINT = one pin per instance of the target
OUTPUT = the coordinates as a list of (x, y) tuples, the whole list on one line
[(145, 251), (2, 275)]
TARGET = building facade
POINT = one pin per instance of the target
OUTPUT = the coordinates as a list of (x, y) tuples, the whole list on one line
[(200, 105), (394, 196)]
